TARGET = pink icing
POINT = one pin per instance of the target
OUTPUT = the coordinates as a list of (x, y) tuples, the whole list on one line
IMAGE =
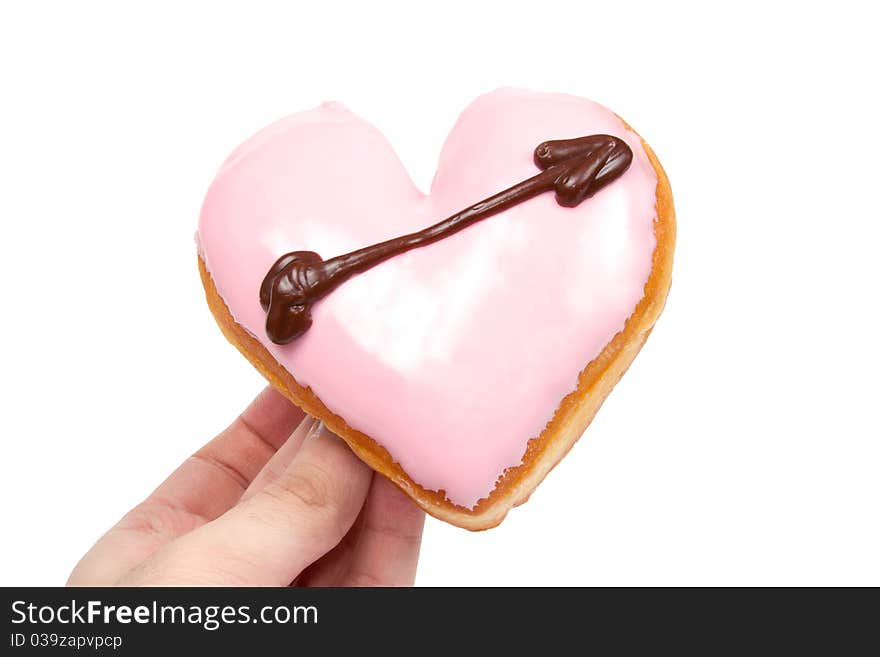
[(451, 356)]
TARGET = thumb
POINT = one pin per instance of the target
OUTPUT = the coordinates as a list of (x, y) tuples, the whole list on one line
[(268, 539)]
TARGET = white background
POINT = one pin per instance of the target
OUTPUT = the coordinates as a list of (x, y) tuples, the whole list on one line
[(742, 447)]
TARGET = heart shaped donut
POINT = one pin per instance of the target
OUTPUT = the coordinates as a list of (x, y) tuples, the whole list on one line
[(461, 361)]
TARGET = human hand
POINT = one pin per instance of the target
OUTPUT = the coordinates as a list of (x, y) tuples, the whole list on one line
[(274, 499)]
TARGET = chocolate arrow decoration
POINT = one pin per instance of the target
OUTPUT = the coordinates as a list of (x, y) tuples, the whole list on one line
[(575, 168)]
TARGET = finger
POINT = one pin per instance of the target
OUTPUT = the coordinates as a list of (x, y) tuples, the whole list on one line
[(332, 567), (382, 549), (387, 550), (281, 460), (214, 478), (271, 537), (201, 489)]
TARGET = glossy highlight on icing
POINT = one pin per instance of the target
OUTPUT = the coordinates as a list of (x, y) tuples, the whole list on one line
[(480, 335)]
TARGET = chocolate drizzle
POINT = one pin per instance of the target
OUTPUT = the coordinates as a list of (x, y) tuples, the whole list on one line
[(575, 168)]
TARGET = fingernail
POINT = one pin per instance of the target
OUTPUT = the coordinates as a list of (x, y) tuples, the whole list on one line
[(317, 430)]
